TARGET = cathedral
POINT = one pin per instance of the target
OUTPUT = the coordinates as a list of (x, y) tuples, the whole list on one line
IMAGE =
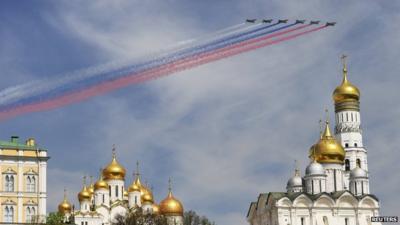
[(335, 187), (107, 198)]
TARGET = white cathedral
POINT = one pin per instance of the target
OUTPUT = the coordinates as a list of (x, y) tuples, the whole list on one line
[(335, 187), (103, 201)]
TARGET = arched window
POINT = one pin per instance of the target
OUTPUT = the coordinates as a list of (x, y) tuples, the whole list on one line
[(347, 164), (30, 214), (8, 214), (109, 190), (346, 145), (136, 200), (302, 220), (103, 198), (9, 183), (346, 221), (358, 161), (116, 191), (325, 219), (355, 144), (30, 183)]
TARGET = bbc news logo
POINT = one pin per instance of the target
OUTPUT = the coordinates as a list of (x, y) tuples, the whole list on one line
[(383, 219)]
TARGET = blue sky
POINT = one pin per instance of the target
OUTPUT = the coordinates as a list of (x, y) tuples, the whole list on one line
[(225, 131)]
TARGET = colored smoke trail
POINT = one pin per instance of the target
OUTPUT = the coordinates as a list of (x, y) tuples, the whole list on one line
[(164, 70), (82, 78), (51, 89)]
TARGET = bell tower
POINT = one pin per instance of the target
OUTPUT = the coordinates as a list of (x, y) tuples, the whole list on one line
[(348, 131)]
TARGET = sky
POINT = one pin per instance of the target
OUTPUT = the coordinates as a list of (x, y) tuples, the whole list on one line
[(225, 131)]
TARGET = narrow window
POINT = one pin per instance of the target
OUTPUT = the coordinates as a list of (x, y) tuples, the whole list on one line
[(351, 117), (312, 186), (355, 144), (346, 145), (362, 188), (302, 220), (109, 190), (325, 219), (347, 117), (355, 187), (358, 163), (346, 221), (320, 186), (136, 200), (116, 191), (82, 223), (103, 198), (334, 179), (347, 164)]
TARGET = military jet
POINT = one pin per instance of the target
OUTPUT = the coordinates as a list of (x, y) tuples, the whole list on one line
[(330, 24), (314, 22), (251, 20), (300, 21), (282, 21), (267, 21)]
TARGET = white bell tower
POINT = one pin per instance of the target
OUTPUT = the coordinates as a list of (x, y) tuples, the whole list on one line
[(348, 125)]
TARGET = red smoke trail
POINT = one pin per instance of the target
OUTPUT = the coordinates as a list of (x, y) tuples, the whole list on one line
[(164, 70)]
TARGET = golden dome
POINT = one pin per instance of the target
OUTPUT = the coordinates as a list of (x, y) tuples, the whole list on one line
[(136, 185), (147, 197), (156, 209), (64, 207), (91, 189), (125, 193), (84, 194), (327, 149), (345, 91), (171, 206), (101, 184), (114, 171)]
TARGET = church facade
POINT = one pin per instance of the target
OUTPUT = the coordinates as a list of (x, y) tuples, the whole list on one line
[(107, 198), (335, 187)]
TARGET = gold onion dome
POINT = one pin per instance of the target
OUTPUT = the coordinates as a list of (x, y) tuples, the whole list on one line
[(114, 170), (171, 206), (125, 193), (156, 209), (65, 206), (327, 149), (147, 197), (345, 91), (101, 184), (84, 194)]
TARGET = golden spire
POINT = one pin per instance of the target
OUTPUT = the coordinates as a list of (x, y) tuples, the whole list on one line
[(343, 58)]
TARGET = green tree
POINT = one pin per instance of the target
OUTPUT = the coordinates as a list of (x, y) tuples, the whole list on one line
[(137, 217), (55, 218), (191, 218)]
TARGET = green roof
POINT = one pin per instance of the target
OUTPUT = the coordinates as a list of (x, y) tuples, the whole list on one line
[(17, 145)]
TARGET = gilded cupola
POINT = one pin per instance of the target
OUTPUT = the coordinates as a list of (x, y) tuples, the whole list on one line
[(100, 184), (84, 194), (327, 149), (171, 206), (114, 170), (91, 187), (346, 95), (156, 209), (65, 206)]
